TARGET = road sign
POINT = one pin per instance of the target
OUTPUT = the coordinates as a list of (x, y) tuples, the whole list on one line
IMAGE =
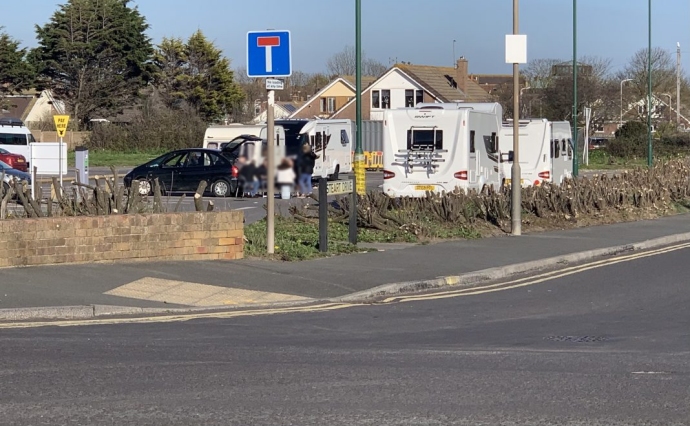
[(269, 54), (273, 84), (338, 187), (61, 122)]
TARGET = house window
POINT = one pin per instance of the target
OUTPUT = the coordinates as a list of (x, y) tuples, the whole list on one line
[(409, 98), (331, 105), (327, 105), (419, 97), (375, 99), (385, 99)]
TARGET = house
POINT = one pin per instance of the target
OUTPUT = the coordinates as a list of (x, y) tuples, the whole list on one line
[(491, 82), (406, 85), (32, 107), (661, 112), (330, 98), (280, 110)]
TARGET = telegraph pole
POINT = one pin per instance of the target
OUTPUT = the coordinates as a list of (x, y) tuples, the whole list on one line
[(678, 84), (649, 91), (360, 173), (575, 159)]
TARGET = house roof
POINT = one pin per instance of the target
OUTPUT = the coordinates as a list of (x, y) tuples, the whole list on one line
[(288, 107), (366, 80), (494, 79), (18, 106), (656, 100), (323, 90), (440, 81)]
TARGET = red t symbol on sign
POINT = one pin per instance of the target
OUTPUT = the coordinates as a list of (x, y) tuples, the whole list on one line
[(268, 42)]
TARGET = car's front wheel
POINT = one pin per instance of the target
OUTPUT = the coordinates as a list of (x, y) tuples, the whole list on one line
[(145, 186)]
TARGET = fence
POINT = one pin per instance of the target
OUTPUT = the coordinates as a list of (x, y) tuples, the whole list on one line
[(372, 144)]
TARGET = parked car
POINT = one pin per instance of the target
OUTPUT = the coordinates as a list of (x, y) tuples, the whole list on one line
[(182, 171), (15, 161), (10, 174)]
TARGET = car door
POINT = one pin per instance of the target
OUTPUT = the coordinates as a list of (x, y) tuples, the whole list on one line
[(199, 167), (168, 173)]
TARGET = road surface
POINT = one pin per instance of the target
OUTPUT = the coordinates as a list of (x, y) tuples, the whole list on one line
[(605, 346)]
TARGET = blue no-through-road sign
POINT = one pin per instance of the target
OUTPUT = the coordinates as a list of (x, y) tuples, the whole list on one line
[(269, 54)]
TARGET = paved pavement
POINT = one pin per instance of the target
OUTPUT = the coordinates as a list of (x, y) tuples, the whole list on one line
[(68, 285), (603, 347)]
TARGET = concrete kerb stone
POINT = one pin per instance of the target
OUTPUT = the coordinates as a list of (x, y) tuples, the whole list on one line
[(476, 278)]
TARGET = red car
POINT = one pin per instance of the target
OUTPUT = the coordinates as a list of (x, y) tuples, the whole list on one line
[(15, 161)]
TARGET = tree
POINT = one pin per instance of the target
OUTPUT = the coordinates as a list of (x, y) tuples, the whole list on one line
[(93, 54), (15, 72), (197, 73), (344, 63)]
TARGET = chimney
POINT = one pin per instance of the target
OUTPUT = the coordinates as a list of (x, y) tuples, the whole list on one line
[(461, 74)]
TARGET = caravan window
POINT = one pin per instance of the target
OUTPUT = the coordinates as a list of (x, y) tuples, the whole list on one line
[(570, 148), (556, 149), (344, 139), (424, 140), (563, 149), (472, 147)]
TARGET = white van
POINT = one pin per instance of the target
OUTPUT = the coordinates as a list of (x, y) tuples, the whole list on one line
[(15, 137), (440, 147), (331, 140), (216, 137)]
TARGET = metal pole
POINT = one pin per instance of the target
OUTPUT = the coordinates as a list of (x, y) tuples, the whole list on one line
[(515, 174), (270, 200), (360, 173), (323, 215), (60, 162), (575, 158), (678, 85), (649, 90)]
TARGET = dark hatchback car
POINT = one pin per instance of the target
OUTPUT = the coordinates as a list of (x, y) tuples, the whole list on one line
[(183, 170)]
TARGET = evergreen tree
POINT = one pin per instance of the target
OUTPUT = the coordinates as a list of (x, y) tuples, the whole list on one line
[(94, 55), (15, 72)]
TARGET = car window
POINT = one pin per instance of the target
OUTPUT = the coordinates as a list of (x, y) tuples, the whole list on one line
[(195, 159), (176, 160), (211, 159), (4, 151)]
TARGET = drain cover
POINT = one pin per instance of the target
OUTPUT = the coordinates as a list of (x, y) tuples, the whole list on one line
[(576, 339)]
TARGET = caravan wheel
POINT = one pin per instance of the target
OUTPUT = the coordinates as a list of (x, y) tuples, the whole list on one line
[(335, 174)]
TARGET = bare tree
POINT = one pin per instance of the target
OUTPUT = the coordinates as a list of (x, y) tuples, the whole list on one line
[(539, 72), (254, 93), (345, 63)]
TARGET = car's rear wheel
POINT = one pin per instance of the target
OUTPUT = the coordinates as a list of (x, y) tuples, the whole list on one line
[(221, 188)]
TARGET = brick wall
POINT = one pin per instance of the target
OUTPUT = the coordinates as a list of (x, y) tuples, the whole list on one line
[(167, 236)]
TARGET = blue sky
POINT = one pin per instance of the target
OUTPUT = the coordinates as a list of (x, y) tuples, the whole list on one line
[(421, 32)]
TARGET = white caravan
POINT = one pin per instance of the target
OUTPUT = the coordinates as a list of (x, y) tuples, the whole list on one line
[(15, 137), (331, 140), (216, 137), (440, 147), (545, 153), (561, 152)]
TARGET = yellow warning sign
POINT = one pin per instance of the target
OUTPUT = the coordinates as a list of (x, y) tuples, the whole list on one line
[(61, 122)]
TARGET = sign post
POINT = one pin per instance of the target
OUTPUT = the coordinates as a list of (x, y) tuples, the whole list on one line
[(269, 55), (61, 122), (337, 187)]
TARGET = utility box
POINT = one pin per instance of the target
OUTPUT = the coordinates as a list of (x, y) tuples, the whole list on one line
[(81, 163)]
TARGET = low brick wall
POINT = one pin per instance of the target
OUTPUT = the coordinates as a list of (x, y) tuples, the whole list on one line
[(167, 236)]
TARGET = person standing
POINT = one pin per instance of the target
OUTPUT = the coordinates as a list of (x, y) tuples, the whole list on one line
[(307, 161)]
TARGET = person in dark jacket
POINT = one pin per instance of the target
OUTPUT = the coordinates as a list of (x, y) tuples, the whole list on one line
[(307, 161), (246, 176)]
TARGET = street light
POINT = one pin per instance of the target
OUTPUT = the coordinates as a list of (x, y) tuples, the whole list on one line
[(623, 81), (575, 159), (360, 175), (649, 88)]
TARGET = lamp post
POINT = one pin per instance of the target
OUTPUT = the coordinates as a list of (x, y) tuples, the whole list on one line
[(575, 159), (360, 174), (623, 81), (649, 89)]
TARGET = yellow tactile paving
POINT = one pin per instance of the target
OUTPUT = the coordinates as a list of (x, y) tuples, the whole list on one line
[(192, 294)]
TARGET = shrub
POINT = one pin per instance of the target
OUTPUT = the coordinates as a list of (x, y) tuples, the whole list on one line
[(631, 130)]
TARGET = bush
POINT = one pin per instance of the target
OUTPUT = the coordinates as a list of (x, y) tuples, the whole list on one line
[(632, 130), (154, 128)]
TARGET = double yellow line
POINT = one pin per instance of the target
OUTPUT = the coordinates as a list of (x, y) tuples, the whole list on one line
[(325, 307)]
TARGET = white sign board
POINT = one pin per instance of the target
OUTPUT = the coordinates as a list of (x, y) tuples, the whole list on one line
[(274, 84), (45, 156), (339, 187), (516, 49)]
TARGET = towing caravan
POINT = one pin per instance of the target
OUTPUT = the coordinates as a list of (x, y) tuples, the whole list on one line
[(15, 137), (440, 147), (216, 137), (331, 141), (561, 151), (535, 157)]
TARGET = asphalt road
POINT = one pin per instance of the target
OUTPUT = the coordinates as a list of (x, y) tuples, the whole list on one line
[(608, 346)]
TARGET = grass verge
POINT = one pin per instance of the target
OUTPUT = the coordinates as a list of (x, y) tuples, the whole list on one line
[(107, 158), (297, 240)]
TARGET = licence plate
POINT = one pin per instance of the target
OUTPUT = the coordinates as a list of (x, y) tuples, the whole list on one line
[(19, 160), (508, 181), (424, 187)]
